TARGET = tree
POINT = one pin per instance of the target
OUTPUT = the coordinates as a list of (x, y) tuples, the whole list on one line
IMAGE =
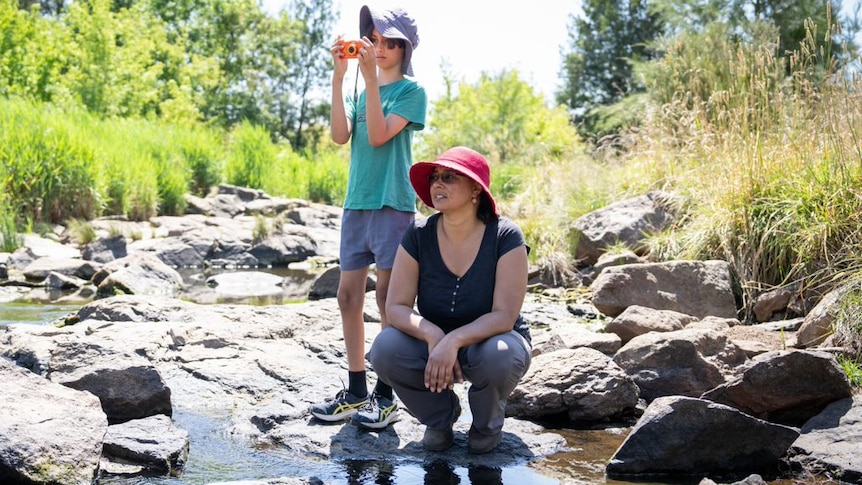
[(268, 66), (309, 66), (500, 116), (34, 51), (604, 43), (122, 63)]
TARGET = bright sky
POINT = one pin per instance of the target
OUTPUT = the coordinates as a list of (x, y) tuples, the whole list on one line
[(474, 36)]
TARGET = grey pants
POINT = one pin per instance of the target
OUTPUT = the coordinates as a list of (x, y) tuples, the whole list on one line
[(493, 368)]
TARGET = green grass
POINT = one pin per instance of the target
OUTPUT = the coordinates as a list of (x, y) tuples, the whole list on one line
[(767, 163), (61, 165)]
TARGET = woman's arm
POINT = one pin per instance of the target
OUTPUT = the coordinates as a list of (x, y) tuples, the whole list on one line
[(401, 297), (510, 287)]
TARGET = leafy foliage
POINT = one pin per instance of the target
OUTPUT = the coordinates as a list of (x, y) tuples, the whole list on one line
[(616, 41), (611, 36), (218, 61), (501, 117)]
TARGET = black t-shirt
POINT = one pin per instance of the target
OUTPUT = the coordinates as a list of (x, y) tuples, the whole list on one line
[(447, 300)]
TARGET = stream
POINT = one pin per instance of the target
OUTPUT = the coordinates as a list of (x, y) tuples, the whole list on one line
[(215, 456)]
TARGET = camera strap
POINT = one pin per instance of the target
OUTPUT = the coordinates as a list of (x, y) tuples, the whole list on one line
[(355, 84)]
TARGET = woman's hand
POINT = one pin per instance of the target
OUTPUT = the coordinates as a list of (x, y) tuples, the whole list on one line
[(442, 370)]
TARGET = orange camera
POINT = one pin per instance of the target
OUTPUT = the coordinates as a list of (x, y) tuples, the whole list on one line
[(350, 49)]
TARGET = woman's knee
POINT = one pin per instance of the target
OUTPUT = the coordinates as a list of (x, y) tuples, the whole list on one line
[(385, 348), (500, 359)]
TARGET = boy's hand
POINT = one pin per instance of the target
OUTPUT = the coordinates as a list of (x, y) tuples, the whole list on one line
[(367, 59), (339, 62)]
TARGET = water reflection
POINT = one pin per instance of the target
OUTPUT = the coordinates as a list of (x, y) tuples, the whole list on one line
[(485, 475), (437, 472), (26, 312), (367, 472), (249, 286), (256, 286)]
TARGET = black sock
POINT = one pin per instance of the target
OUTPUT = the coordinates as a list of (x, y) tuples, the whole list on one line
[(383, 389), (356, 383)]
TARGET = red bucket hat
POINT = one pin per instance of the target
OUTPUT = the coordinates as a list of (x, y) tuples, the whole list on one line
[(463, 160)]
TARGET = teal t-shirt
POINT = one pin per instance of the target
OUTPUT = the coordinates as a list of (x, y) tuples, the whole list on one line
[(379, 176)]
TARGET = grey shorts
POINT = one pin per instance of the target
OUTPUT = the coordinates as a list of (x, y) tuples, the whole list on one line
[(371, 237)]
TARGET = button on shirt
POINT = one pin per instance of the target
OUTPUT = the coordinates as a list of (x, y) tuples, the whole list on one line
[(451, 301)]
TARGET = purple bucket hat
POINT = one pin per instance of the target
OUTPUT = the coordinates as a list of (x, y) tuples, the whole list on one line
[(392, 24)]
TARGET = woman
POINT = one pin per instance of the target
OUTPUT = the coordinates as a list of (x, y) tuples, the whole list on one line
[(465, 268)]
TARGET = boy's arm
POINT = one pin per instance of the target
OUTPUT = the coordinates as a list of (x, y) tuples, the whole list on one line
[(380, 129), (339, 125)]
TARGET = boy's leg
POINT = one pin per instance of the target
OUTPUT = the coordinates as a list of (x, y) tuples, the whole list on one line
[(351, 302), (355, 259), (387, 225), (382, 288)]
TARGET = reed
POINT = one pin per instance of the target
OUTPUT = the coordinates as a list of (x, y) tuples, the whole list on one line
[(765, 151)]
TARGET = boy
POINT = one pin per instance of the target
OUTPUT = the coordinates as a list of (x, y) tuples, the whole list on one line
[(380, 202)]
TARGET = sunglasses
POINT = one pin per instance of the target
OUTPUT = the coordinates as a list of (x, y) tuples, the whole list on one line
[(389, 43), (447, 178)]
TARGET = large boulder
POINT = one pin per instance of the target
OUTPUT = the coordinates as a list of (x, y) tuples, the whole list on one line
[(685, 362), (830, 441), (787, 387), (49, 433), (583, 383), (685, 437), (627, 222), (696, 288)]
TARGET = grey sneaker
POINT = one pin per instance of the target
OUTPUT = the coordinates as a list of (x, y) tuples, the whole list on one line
[(441, 439), (377, 413), (339, 408)]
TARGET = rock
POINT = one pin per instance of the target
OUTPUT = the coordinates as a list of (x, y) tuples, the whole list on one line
[(686, 362), (696, 288), (49, 433), (776, 386), (830, 441), (584, 384), (686, 437), (153, 443)]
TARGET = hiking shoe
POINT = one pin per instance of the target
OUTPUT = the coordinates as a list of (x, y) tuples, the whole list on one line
[(478, 443), (436, 439), (377, 413), (341, 407)]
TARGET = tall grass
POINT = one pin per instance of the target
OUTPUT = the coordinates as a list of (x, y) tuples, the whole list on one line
[(10, 239), (48, 174), (764, 148), (255, 162), (63, 165)]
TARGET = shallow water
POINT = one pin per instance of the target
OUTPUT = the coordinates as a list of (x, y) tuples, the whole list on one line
[(34, 313), (215, 456)]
